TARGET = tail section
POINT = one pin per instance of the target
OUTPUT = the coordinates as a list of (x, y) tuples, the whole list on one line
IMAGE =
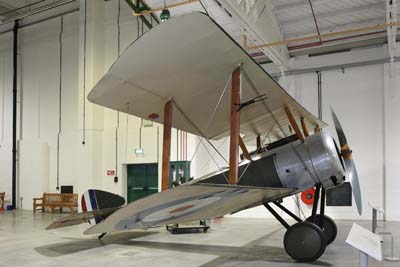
[(96, 206), (94, 200)]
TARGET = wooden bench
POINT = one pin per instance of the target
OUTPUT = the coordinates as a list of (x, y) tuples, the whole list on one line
[(2, 194), (56, 201)]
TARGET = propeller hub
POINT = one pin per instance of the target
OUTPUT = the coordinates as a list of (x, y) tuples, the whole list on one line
[(346, 152)]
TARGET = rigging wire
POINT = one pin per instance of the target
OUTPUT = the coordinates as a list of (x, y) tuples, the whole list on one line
[(197, 129), (244, 171), (203, 135), (214, 112), (205, 164)]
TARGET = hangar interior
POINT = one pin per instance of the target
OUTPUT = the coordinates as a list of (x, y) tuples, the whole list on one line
[(340, 54)]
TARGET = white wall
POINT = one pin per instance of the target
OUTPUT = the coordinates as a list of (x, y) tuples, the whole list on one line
[(359, 95)]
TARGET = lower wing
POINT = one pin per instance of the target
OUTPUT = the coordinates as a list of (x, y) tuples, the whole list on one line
[(187, 203), (81, 217)]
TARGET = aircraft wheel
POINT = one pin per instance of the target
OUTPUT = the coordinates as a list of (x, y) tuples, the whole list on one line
[(304, 242), (329, 228)]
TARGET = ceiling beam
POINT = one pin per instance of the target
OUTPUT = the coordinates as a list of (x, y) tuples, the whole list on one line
[(6, 6), (261, 26), (337, 27), (325, 15), (4, 9), (297, 4)]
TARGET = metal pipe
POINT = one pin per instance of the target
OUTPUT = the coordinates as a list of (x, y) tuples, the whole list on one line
[(118, 54), (59, 102), (295, 47), (335, 67), (323, 35), (84, 78), (319, 95), (374, 219), (150, 11), (14, 130)]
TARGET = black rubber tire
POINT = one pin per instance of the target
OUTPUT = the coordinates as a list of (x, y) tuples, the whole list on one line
[(329, 227), (304, 242)]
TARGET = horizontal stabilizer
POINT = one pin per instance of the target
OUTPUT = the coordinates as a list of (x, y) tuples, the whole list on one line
[(81, 217)]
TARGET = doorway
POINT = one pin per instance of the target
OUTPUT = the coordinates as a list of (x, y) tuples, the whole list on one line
[(142, 180)]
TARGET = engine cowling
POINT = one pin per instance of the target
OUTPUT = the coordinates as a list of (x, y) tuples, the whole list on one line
[(303, 164)]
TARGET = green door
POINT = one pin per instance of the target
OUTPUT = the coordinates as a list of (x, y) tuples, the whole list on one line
[(142, 180)]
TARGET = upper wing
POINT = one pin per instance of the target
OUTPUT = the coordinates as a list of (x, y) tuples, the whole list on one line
[(190, 58), (186, 203)]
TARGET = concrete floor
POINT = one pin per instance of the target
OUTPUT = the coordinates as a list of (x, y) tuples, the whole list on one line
[(230, 242)]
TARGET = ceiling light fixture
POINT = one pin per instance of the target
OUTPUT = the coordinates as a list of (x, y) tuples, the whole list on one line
[(165, 14)]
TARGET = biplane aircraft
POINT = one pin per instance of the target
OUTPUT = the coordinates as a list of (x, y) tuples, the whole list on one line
[(198, 79)]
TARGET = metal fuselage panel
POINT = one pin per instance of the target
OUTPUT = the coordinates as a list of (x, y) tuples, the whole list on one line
[(315, 161), (299, 165)]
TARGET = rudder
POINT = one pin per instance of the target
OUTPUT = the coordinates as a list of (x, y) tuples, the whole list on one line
[(94, 199)]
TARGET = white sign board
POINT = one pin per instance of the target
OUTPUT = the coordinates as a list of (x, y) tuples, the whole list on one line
[(376, 208), (365, 241)]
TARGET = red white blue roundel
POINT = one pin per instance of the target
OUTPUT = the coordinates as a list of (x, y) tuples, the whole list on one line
[(180, 209), (174, 210)]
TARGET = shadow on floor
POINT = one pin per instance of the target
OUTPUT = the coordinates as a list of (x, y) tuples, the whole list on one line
[(248, 253), (75, 245)]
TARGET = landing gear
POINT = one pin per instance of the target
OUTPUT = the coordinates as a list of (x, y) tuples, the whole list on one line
[(328, 227), (304, 242)]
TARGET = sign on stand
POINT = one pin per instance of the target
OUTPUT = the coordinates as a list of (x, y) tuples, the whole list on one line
[(368, 243)]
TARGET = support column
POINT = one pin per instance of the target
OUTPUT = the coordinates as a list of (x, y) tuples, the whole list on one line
[(166, 145), (235, 126), (14, 120)]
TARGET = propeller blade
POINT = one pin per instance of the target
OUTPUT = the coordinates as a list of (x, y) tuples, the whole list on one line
[(355, 185), (348, 161), (339, 129)]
